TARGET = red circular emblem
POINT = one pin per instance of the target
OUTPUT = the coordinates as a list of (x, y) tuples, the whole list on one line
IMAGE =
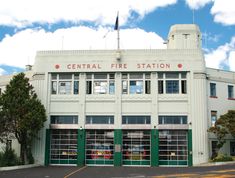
[(180, 65), (57, 66)]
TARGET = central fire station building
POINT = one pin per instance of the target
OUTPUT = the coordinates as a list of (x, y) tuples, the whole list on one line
[(131, 107)]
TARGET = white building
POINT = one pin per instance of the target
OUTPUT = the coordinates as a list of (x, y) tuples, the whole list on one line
[(131, 107)]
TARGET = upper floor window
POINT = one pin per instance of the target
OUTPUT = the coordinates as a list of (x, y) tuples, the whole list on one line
[(212, 89), (136, 120), (213, 117), (172, 83), (64, 119), (136, 83), (100, 83), (172, 119), (230, 91), (65, 83), (99, 119)]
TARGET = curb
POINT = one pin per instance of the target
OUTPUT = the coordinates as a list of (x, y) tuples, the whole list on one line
[(215, 164), (18, 167)]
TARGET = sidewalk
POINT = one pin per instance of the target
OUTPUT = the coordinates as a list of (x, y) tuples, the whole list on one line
[(214, 163), (18, 167)]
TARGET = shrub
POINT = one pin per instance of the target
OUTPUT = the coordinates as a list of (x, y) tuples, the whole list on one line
[(8, 158), (222, 157)]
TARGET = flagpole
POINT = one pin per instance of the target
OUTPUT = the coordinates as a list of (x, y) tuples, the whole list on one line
[(118, 39), (116, 27), (118, 31)]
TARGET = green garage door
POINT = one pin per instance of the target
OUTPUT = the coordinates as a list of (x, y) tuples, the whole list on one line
[(136, 148), (173, 147), (63, 148), (99, 147)]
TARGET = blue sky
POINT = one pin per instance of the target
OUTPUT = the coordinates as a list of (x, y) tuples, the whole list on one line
[(27, 26)]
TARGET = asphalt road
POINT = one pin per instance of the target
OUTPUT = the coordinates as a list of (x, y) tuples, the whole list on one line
[(224, 171)]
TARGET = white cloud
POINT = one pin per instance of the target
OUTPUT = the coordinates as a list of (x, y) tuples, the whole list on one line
[(25, 12), (231, 58), (197, 4), (20, 49), (2, 72), (224, 54), (224, 11)]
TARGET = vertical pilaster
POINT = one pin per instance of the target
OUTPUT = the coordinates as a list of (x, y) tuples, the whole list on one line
[(47, 148), (118, 101), (199, 117), (117, 147), (154, 147), (81, 147)]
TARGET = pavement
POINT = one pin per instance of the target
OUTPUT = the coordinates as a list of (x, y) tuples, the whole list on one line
[(207, 170)]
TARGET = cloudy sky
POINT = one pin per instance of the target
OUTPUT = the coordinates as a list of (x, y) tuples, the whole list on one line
[(27, 26)]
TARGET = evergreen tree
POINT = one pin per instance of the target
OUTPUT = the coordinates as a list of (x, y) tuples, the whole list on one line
[(22, 114)]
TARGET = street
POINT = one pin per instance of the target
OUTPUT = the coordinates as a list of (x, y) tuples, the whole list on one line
[(224, 171)]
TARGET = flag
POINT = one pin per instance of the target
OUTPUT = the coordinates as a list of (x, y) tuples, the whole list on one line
[(116, 24)]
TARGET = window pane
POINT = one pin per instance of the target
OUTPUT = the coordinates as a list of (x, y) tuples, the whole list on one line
[(172, 119), (183, 75), (147, 76), (124, 87), (172, 75), (230, 91), (160, 86), (213, 117), (124, 76), (183, 87), (65, 76), (75, 87), (100, 120), (100, 76), (136, 120), (136, 87), (76, 76), (212, 89), (88, 76), (111, 87), (111, 76), (89, 87), (64, 87), (53, 76), (64, 119), (53, 87), (136, 76), (172, 86), (100, 87), (147, 87), (160, 75)]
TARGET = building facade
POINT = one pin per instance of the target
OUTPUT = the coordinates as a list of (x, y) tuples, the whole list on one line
[(131, 107)]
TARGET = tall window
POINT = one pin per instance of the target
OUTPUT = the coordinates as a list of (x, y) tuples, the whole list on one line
[(99, 119), (136, 120), (230, 91), (65, 84), (212, 89), (64, 119), (172, 83), (136, 83), (100, 83), (213, 117), (172, 119)]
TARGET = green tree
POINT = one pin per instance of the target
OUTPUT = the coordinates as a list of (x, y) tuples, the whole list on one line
[(22, 114), (229, 121), (223, 126)]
